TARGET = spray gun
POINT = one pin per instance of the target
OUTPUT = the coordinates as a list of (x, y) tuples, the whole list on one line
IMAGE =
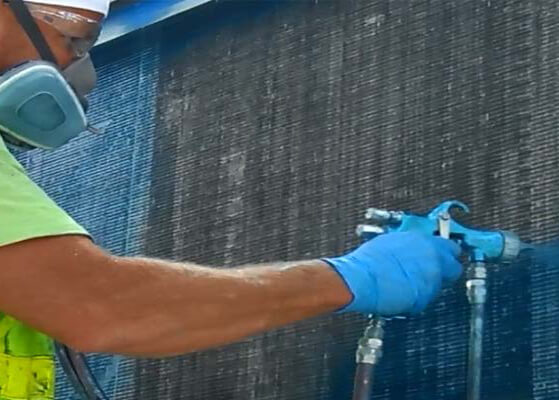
[(482, 248)]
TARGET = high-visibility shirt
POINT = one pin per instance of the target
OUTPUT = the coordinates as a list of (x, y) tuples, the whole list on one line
[(27, 369)]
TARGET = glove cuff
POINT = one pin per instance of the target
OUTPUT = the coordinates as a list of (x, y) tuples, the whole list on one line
[(359, 282)]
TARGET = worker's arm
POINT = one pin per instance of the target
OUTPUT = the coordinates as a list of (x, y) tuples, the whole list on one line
[(53, 278), (70, 289)]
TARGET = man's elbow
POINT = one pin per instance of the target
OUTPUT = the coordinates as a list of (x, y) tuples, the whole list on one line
[(97, 329), (104, 339), (94, 333), (61, 287), (91, 342), (69, 289)]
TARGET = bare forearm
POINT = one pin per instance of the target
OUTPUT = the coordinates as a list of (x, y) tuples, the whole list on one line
[(71, 290), (163, 309)]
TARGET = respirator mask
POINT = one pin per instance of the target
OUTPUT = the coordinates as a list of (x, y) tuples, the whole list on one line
[(42, 106)]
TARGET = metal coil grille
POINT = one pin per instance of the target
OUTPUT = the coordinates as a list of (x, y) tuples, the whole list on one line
[(277, 124)]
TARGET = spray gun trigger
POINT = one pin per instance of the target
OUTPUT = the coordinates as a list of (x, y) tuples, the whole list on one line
[(443, 220)]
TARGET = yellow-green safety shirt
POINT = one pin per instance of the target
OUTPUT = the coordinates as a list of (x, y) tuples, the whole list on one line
[(26, 212)]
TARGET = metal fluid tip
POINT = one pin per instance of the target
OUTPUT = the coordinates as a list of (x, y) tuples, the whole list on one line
[(526, 246)]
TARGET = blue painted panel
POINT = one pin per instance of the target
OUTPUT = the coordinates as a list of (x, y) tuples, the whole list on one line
[(126, 19), (104, 181)]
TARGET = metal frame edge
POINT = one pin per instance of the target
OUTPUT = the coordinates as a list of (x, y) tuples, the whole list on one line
[(141, 14)]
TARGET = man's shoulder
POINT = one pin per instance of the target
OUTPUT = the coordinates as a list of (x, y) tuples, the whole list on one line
[(26, 211), (6, 155), (3, 148)]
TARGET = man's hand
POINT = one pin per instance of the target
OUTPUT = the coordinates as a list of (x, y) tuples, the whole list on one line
[(398, 273)]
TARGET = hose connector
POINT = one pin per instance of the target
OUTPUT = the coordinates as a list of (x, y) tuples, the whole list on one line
[(369, 350), (475, 284)]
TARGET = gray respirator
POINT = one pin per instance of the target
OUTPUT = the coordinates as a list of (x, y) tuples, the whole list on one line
[(42, 106)]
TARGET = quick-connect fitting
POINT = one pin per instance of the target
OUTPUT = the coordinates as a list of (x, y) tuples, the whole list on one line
[(475, 285), (369, 350), (477, 291)]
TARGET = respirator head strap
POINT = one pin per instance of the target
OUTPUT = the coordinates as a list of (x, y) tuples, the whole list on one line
[(32, 30)]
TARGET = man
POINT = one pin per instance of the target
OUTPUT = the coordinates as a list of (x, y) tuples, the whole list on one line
[(55, 280)]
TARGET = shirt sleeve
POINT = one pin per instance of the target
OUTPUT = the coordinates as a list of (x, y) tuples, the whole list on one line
[(26, 212)]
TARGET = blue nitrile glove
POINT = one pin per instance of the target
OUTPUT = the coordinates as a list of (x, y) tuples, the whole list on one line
[(398, 273)]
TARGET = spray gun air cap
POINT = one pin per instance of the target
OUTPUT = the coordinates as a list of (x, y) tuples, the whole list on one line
[(512, 245)]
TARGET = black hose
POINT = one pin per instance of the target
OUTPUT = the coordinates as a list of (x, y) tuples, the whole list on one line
[(475, 352), (66, 362), (80, 375), (363, 385)]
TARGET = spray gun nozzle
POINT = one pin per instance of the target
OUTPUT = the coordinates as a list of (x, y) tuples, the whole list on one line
[(526, 247)]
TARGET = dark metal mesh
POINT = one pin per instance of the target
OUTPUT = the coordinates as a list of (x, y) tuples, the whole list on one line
[(279, 123)]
